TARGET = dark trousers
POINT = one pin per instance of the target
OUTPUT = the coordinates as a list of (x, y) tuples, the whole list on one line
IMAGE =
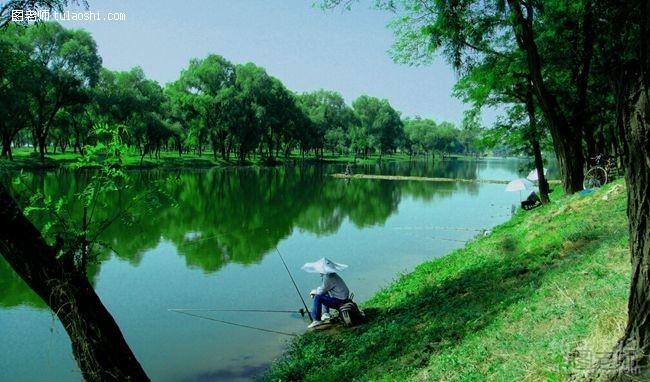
[(327, 301)]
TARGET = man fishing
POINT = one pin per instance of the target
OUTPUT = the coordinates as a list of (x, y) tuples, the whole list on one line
[(332, 294)]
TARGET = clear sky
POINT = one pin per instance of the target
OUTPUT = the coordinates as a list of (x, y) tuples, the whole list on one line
[(305, 47)]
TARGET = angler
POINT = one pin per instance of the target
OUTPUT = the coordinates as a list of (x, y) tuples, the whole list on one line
[(332, 294)]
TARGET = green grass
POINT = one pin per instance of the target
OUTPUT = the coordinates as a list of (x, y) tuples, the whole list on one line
[(534, 301), (25, 158)]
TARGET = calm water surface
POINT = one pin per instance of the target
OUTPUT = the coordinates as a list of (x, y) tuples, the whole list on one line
[(216, 249)]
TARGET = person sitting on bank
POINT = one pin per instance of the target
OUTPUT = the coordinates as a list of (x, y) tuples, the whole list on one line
[(331, 294)]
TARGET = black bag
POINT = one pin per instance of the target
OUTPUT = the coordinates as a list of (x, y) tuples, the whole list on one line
[(351, 314)]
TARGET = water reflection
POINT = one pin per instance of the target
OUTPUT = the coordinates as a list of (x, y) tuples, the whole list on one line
[(197, 254), (238, 215)]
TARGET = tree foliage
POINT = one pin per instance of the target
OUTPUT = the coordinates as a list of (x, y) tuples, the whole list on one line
[(56, 96)]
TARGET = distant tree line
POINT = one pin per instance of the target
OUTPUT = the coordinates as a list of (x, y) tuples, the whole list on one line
[(55, 96)]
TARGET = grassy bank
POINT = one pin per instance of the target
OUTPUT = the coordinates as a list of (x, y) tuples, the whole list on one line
[(26, 159), (538, 299)]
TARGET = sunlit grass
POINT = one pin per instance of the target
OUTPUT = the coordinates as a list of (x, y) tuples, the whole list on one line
[(536, 300), (26, 158)]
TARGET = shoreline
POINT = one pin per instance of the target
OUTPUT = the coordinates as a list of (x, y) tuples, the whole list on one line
[(27, 160), (426, 179), (532, 300)]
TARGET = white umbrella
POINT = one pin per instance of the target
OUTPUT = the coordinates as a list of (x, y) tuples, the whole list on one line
[(533, 175), (519, 185), (323, 266)]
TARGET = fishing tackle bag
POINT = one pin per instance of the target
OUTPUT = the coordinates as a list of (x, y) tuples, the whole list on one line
[(351, 314)]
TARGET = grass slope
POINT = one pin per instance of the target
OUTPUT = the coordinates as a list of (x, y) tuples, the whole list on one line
[(538, 299)]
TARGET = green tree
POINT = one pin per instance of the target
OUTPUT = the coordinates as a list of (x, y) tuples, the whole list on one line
[(66, 65), (469, 32), (16, 73), (327, 111), (504, 80), (380, 121), (251, 103), (207, 86), (134, 104), (421, 136)]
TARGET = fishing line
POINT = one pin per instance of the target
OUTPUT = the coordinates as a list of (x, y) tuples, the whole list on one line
[(233, 323), (444, 238), (439, 228), (294, 284), (301, 311)]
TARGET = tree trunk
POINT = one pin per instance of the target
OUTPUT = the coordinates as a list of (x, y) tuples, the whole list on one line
[(568, 151), (567, 138), (533, 135), (6, 148), (637, 163), (41, 148), (590, 141), (539, 166), (98, 345), (629, 359), (222, 147)]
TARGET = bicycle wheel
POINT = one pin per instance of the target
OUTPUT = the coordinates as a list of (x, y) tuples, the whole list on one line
[(595, 177)]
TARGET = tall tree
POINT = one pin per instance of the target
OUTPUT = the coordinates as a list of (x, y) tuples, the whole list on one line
[(566, 126), (503, 80), (208, 85), (253, 85), (380, 121), (328, 112), (626, 52), (16, 73), (421, 134), (66, 65), (469, 32), (134, 104)]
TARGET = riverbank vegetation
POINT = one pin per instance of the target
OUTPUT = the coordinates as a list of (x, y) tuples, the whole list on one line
[(61, 99), (27, 159), (541, 298), (575, 73)]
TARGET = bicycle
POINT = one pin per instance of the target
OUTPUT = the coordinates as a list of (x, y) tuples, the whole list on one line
[(603, 170)]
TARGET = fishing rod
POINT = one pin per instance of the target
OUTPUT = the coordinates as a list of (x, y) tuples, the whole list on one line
[(233, 323), (294, 284), (301, 311)]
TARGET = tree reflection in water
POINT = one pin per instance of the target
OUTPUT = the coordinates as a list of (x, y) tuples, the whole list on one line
[(239, 215)]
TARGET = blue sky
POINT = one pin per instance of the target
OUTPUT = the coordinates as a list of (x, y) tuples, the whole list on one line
[(305, 47)]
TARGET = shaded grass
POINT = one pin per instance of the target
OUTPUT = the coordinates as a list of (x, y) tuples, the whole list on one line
[(532, 301)]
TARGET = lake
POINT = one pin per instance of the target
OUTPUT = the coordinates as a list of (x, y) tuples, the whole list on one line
[(215, 247)]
